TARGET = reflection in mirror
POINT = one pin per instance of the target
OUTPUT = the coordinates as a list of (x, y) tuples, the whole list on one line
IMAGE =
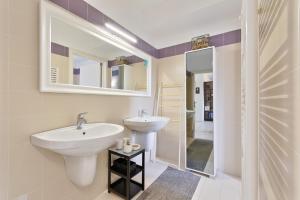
[(87, 71), (200, 111), (82, 58)]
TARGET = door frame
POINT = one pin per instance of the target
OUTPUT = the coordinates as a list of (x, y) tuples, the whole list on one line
[(250, 95)]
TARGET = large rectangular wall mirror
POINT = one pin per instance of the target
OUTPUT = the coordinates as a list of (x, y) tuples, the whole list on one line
[(201, 111), (78, 57)]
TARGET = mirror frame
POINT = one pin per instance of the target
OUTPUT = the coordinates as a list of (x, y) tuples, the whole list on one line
[(49, 10)]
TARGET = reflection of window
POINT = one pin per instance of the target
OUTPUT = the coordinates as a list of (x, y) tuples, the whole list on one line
[(54, 75), (87, 71)]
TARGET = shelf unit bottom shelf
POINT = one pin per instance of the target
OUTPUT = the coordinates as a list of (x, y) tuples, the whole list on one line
[(119, 187)]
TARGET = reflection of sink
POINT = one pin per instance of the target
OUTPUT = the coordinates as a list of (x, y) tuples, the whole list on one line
[(146, 124), (79, 147)]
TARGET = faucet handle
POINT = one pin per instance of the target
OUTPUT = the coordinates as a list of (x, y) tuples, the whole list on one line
[(80, 115)]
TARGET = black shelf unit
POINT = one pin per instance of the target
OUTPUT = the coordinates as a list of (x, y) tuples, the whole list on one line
[(125, 187)]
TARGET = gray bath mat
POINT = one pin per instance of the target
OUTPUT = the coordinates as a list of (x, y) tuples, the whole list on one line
[(198, 154), (172, 184)]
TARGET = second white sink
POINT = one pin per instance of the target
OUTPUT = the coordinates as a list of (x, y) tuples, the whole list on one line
[(146, 124), (144, 131)]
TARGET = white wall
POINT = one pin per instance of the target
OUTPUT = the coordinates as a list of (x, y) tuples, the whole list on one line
[(228, 101), (171, 73)]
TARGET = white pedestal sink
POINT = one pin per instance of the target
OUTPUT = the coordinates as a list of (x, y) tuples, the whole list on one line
[(79, 147), (144, 131)]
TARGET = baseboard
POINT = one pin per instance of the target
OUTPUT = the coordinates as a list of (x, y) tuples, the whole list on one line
[(100, 195), (166, 162)]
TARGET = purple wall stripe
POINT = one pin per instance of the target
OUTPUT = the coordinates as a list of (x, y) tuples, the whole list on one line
[(95, 16), (59, 49), (76, 71), (91, 14), (232, 37), (216, 40), (62, 3), (79, 8), (227, 38)]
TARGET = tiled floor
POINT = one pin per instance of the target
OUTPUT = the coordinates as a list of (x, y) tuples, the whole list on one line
[(223, 187)]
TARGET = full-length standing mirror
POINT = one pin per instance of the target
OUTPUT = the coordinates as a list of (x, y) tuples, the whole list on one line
[(200, 111)]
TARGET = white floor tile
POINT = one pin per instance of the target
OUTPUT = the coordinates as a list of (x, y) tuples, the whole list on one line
[(211, 190), (222, 187), (199, 189)]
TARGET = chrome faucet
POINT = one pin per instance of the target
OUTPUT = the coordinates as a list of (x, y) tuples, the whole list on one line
[(81, 120)]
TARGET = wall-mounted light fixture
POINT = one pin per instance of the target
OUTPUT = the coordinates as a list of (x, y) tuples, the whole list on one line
[(120, 32)]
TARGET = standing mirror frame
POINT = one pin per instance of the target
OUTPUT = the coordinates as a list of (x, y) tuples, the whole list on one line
[(48, 11), (215, 114)]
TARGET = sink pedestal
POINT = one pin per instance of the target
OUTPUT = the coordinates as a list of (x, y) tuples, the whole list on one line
[(147, 140), (144, 131), (144, 139), (81, 170)]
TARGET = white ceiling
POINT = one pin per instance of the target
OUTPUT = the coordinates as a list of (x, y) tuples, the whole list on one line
[(165, 23)]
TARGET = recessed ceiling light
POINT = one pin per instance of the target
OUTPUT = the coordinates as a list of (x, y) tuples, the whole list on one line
[(120, 32)]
